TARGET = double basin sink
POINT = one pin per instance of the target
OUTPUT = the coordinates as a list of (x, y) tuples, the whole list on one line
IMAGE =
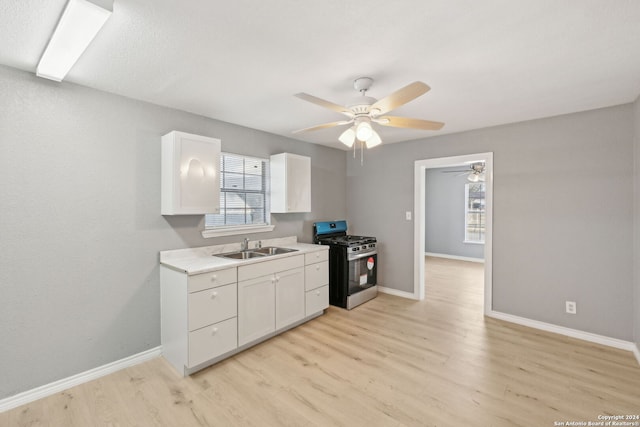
[(256, 253)]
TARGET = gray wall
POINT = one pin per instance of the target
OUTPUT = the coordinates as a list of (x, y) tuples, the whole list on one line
[(80, 223), (636, 306), (563, 214), (444, 214)]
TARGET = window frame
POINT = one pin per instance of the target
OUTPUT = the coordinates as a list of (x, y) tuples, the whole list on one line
[(235, 229), (483, 214)]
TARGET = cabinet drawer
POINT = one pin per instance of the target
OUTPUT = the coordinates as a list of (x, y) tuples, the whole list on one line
[(316, 275), (203, 281), (212, 306), (212, 341), (266, 268), (316, 300), (317, 256)]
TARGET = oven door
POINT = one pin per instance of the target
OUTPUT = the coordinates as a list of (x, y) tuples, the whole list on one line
[(362, 271)]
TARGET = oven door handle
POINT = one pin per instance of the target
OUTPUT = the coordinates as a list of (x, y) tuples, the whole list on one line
[(359, 256)]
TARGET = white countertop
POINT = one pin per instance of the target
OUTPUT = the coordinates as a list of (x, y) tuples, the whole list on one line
[(203, 259)]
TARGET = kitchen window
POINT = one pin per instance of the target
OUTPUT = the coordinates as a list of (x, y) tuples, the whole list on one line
[(244, 197), (474, 212)]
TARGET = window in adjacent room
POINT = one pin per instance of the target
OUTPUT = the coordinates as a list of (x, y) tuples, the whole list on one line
[(474, 212), (244, 193)]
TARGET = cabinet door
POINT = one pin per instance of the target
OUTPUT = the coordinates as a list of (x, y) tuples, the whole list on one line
[(290, 297), (212, 306), (317, 300), (290, 183), (299, 184), (190, 173), (316, 275), (256, 308)]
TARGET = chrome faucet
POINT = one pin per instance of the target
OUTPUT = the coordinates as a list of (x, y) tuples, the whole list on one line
[(245, 244)]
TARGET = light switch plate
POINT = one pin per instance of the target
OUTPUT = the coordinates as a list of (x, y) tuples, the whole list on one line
[(407, 215)]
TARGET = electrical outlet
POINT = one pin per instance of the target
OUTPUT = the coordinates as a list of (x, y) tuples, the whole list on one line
[(571, 307)]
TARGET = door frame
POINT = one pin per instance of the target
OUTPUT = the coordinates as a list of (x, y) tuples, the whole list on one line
[(421, 167)]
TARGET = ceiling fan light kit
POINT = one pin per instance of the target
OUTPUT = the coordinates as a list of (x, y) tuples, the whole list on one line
[(364, 130), (365, 110), (348, 137), (373, 140), (475, 173)]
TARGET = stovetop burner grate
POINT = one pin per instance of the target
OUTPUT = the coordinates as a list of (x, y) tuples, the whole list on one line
[(348, 240)]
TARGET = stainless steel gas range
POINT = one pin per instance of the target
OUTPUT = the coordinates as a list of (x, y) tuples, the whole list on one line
[(353, 263)]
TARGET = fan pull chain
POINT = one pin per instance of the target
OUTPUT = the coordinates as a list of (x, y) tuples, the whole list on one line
[(354, 148), (361, 153)]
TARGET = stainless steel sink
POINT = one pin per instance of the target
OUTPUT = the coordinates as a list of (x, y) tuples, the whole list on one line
[(272, 250), (241, 255), (256, 253)]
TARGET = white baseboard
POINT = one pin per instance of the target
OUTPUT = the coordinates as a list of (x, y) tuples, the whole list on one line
[(636, 352), (460, 258), (74, 380), (574, 333), (396, 292)]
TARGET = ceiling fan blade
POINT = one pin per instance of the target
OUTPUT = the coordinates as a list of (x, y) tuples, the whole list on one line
[(324, 126), (400, 97), (465, 171), (405, 122), (325, 104)]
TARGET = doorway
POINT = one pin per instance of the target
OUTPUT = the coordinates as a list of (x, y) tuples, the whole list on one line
[(421, 167)]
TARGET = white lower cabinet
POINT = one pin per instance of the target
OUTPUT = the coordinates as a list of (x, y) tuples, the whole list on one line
[(207, 317), (212, 341), (316, 282), (256, 308), (198, 319), (271, 301), (289, 297), (316, 300)]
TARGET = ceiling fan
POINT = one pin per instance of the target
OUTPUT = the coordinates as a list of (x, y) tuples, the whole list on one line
[(364, 111), (475, 172)]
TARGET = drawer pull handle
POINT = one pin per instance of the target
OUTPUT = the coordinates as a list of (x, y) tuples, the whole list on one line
[(214, 331), (214, 277), (214, 294), (318, 293), (318, 267)]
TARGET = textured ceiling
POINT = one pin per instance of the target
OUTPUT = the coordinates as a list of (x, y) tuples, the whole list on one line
[(488, 62)]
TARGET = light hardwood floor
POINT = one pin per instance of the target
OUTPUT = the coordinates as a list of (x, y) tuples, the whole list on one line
[(389, 362)]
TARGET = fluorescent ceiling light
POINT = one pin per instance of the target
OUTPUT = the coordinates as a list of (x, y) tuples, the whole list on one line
[(79, 24)]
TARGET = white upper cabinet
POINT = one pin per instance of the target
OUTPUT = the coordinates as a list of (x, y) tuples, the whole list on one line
[(290, 183), (190, 173)]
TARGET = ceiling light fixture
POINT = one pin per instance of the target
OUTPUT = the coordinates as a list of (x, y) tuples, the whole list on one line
[(348, 137), (477, 172), (373, 140), (79, 24), (364, 131)]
